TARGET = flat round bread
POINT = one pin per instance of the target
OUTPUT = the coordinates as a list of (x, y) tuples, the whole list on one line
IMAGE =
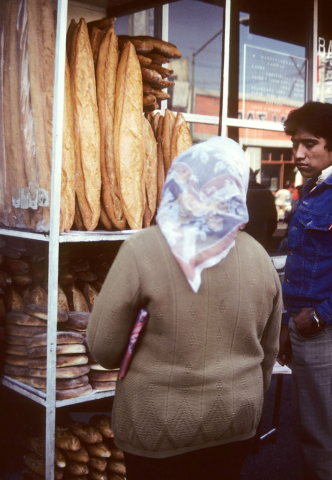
[(103, 385), (78, 320), (17, 349), (62, 372), (21, 378), (61, 383), (61, 361), (96, 366), (103, 375), (23, 331), (13, 340), (16, 370), (73, 392), (63, 338), (40, 311), (17, 360), (20, 318), (60, 350), (80, 332)]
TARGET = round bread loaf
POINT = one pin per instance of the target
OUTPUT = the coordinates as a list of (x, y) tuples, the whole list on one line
[(103, 375), (78, 320), (60, 350), (17, 360), (103, 385), (62, 372), (96, 366), (24, 331), (22, 379), (61, 383), (63, 338), (16, 370), (40, 311), (13, 340), (17, 349), (20, 318), (73, 392), (61, 361)]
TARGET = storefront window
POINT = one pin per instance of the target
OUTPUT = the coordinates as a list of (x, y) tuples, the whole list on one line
[(272, 66), (323, 91), (196, 28)]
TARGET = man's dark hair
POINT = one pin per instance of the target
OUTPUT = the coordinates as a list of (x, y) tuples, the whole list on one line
[(315, 118)]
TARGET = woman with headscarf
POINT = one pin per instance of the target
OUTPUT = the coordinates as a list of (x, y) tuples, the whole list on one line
[(192, 397)]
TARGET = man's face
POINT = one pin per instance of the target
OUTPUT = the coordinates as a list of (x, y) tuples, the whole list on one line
[(311, 156)]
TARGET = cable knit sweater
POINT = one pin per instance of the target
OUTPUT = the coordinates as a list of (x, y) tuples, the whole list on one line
[(203, 360)]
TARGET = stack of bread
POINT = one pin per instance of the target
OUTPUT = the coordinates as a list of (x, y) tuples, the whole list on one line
[(21, 327), (35, 460), (82, 452), (71, 365)]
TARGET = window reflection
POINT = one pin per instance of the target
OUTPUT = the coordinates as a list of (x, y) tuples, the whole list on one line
[(196, 28)]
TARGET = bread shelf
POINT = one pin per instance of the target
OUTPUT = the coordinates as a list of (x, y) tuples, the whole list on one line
[(73, 236), (40, 397)]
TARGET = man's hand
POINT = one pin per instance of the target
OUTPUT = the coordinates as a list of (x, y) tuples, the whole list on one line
[(285, 350), (304, 324)]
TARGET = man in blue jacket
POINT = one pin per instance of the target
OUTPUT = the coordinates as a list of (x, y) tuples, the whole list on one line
[(306, 334)]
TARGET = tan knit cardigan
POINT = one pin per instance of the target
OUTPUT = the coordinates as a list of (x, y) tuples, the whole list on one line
[(203, 360)]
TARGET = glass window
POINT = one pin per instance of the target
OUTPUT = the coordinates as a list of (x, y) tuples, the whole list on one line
[(324, 55), (270, 77), (196, 28)]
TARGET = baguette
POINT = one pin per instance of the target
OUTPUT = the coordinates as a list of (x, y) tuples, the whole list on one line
[(144, 61), (128, 137), (159, 94), (163, 84), (98, 449), (69, 39), (150, 168), (169, 121), (88, 175), (149, 100), (96, 36), (157, 58), (164, 72), (103, 424), (151, 108), (104, 220), (78, 220), (139, 45), (102, 24), (147, 89), (154, 123), (181, 139), (106, 91), (151, 76), (160, 160), (41, 50), (67, 208), (160, 46)]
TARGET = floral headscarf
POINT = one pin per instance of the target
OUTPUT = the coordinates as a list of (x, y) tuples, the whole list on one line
[(204, 205)]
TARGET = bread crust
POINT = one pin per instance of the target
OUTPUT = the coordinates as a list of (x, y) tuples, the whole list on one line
[(128, 137), (87, 131), (86, 433), (160, 164), (73, 392), (25, 331), (81, 455), (20, 318), (96, 36), (181, 139), (61, 383), (160, 46), (150, 168), (104, 424), (64, 360), (63, 338), (139, 45), (169, 122)]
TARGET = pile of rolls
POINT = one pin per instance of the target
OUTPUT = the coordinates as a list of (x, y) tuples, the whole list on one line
[(84, 451)]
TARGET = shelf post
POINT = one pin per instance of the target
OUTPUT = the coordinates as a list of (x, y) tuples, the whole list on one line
[(53, 253)]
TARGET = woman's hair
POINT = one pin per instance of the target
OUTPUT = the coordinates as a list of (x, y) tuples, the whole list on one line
[(315, 118)]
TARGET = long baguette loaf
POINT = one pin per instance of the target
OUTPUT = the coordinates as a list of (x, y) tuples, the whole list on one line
[(96, 36), (160, 46), (69, 38), (144, 61), (106, 91), (150, 168), (128, 136), (41, 50), (169, 122), (157, 58), (67, 209), (88, 176), (102, 24), (181, 139), (14, 155), (104, 220), (160, 164), (164, 72), (140, 46)]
